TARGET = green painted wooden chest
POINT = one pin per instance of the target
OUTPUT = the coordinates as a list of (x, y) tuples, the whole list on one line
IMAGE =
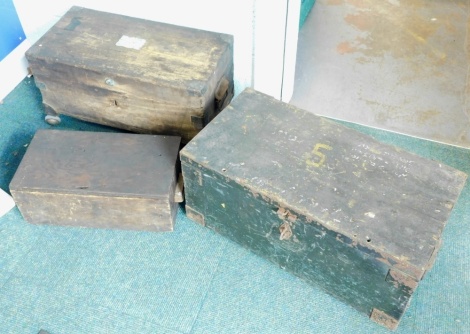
[(359, 218)]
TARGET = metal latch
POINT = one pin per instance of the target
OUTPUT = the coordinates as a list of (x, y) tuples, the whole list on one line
[(286, 231), (222, 94)]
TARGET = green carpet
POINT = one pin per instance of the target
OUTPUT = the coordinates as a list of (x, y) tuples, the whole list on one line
[(73, 280)]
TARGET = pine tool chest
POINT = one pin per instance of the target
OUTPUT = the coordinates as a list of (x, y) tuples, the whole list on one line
[(133, 74), (359, 218), (102, 180)]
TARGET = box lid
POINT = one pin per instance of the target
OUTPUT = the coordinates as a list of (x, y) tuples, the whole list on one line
[(132, 47), (115, 164), (387, 202)]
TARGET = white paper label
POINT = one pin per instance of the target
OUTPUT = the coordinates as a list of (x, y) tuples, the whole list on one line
[(131, 42)]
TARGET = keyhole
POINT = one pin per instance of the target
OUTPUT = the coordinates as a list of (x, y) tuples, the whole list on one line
[(116, 103)]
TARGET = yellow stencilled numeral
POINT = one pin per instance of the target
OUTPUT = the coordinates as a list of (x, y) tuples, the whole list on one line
[(322, 156)]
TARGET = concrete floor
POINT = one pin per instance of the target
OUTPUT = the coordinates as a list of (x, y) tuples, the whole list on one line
[(396, 65)]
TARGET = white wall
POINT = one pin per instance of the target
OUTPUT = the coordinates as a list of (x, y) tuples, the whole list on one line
[(258, 26), (276, 29)]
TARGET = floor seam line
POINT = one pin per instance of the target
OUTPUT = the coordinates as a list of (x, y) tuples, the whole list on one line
[(207, 291)]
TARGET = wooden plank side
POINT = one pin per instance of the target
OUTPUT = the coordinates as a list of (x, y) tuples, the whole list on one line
[(102, 180), (127, 103), (60, 77), (391, 203), (82, 210), (308, 250), (122, 110)]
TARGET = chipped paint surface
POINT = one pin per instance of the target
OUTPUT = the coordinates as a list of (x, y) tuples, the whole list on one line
[(325, 224), (358, 182), (369, 214), (399, 278), (308, 250)]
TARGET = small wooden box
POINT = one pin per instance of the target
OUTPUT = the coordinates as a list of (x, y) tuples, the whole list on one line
[(134, 74), (93, 179), (357, 217)]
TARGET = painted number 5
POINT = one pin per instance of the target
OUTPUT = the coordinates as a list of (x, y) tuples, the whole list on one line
[(320, 155)]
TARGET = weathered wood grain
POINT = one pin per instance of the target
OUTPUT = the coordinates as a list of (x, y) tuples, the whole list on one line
[(82, 210), (175, 83), (335, 207), (103, 180)]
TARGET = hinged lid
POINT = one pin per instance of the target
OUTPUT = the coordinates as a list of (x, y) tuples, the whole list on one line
[(115, 164), (386, 202)]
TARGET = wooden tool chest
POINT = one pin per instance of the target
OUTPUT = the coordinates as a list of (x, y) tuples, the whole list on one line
[(103, 180), (134, 74), (359, 218)]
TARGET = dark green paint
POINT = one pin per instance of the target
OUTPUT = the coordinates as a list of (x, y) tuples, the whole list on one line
[(233, 211), (364, 218)]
